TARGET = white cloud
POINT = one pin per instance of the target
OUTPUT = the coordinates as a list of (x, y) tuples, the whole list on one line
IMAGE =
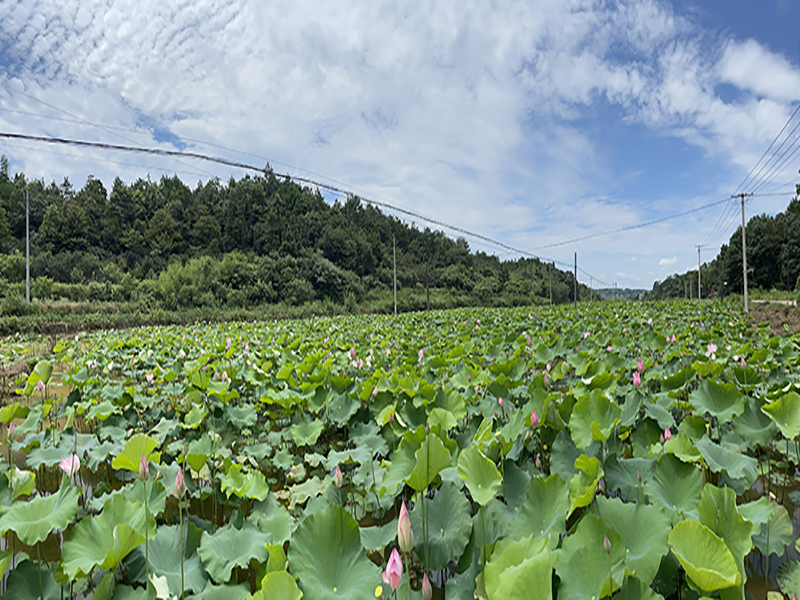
[(751, 66), (667, 262)]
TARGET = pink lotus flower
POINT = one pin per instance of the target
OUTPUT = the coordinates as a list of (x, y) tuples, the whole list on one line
[(352, 352), (637, 380), (742, 362), (667, 434), (40, 385), (711, 349), (546, 380), (394, 571), (180, 484), (12, 430), (500, 402), (609, 349), (548, 367), (421, 353), (427, 592), (650, 321), (538, 461), (338, 480), (71, 464), (534, 420), (144, 469), (405, 537), (149, 377), (640, 367)]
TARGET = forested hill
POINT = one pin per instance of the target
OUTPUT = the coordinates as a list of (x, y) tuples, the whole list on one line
[(253, 241), (773, 260)]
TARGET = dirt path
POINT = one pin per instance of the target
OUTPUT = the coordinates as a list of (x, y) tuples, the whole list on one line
[(778, 315)]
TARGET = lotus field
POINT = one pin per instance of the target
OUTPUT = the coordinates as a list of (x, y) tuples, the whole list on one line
[(634, 450)]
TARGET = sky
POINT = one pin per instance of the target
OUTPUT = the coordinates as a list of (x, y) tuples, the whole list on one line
[(530, 122)]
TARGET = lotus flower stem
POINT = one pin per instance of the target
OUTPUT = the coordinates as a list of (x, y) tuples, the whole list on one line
[(483, 522), (180, 518), (39, 564)]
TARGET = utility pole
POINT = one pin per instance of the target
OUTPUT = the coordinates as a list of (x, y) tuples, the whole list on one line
[(575, 299), (744, 250), (394, 260), (550, 281), (591, 288), (699, 294), (27, 247), (427, 289)]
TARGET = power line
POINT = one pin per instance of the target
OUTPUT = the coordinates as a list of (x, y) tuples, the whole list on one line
[(245, 166)]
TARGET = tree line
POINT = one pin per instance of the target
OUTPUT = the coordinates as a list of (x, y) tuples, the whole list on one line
[(257, 240), (773, 260)]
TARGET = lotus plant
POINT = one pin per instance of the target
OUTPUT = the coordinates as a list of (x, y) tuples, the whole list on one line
[(427, 591), (144, 475), (405, 538), (71, 465), (180, 490), (394, 571)]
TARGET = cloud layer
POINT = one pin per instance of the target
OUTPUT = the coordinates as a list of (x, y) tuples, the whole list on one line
[(494, 117)]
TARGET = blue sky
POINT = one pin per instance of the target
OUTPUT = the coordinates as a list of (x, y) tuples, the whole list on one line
[(531, 121)]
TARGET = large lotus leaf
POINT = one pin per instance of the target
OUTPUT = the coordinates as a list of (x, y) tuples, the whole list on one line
[(449, 526), (403, 461), (737, 466), (47, 455), (200, 451), (126, 592), (628, 475), (789, 578), (776, 533), (241, 416), (676, 486), (23, 583), (758, 512), (375, 538), (327, 556), (520, 569), (544, 512), (481, 476), (583, 485), (22, 482), (131, 455), (107, 538), (585, 568), (33, 520), (754, 426), (250, 484), (511, 431), (273, 519), (704, 556), (644, 530), (681, 446), (164, 553), (563, 455), (634, 589), (431, 457), (785, 411), (593, 418), (678, 379), (721, 400), (307, 433), (227, 591), (341, 407), (278, 585), (229, 547)]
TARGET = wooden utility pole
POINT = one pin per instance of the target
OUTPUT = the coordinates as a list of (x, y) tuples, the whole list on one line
[(744, 250), (699, 294), (394, 260), (576, 282), (427, 289), (550, 281), (591, 288), (27, 247)]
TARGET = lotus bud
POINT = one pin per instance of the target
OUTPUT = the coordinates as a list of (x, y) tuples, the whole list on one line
[(637, 380), (405, 536), (427, 592), (71, 464), (538, 462), (640, 367), (534, 420), (667, 434), (12, 430), (40, 385), (428, 428), (639, 475), (548, 367), (394, 571), (606, 543), (180, 484), (338, 480), (144, 469), (661, 438), (500, 402), (546, 380)]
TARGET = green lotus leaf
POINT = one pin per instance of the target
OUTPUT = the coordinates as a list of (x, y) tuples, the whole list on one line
[(704, 556), (131, 454), (755, 426), (758, 512), (520, 568), (102, 411), (200, 451), (544, 512), (306, 434), (23, 583), (376, 538), (327, 556), (278, 585), (403, 461), (678, 379), (657, 409), (785, 411), (681, 445), (272, 519), (431, 458), (310, 488), (230, 547), (510, 432), (585, 568), (624, 475), (722, 400), (479, 473), (341, 407), (449, 526), (33, 520), (644, 530), (195, 417), (676, 486), (789, 578), (443, 418), (5, 560), (593, 418), (164, 553), (635, 589), (241, 416), (13, 411), (737, 466), (104, 540), (250, 484), (22, 482), (776, 533), (126, 592), (227, 591), (583, 485)]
